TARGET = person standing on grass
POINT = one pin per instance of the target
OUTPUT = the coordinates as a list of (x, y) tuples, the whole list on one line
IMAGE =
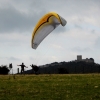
[(22, 67), (35, 68)]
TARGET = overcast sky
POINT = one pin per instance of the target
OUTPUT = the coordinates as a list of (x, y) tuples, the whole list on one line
[(80, 36)]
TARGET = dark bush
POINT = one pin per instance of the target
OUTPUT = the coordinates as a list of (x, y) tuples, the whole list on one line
[(4, 70), (62, 71)]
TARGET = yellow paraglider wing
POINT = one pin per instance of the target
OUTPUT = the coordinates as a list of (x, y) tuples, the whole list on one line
[(45, 26)]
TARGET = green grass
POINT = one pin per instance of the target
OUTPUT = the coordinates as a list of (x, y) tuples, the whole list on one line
[(50, 87)]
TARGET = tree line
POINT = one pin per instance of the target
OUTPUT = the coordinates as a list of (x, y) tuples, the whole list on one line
[(59, 68), (71, 67)]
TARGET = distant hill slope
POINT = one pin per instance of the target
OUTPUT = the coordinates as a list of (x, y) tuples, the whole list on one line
[(68, 68)]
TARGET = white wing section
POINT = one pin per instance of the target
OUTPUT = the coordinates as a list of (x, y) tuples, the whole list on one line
[(63, 21), (43, 31), (45, 26)]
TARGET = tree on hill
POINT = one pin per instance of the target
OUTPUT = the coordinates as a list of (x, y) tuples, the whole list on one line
[(62, 71), (4, 70)]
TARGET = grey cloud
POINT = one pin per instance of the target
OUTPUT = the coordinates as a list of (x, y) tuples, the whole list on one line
[(31, 58), (78, 26), (13, 20), (79, 49), (13, 59), (97, 43), (93, 31)]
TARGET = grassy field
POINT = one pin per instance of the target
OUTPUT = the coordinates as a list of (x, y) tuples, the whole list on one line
[(50, 87)]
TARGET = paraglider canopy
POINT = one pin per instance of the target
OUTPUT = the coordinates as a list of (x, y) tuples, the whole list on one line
[(45, 26)]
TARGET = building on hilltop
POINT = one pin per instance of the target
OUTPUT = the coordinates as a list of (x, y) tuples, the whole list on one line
[(89, 60)]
